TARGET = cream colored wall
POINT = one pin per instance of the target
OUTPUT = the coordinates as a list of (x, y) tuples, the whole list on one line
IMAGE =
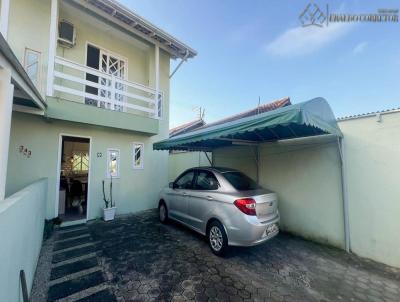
[(135, 190), (29, 28), (179, 162), (238, 157), (373, 172), (307, 181)]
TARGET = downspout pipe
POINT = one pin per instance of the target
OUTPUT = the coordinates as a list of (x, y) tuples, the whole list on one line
[(257, 162), (180, 63), (344, 195)]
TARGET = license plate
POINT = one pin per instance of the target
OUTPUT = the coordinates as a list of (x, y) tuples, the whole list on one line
[(271, 229)]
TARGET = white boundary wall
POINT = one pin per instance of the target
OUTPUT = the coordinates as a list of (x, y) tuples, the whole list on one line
[(22, 218)]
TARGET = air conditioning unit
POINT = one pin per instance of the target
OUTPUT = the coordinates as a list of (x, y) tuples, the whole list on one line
[(66, 34)]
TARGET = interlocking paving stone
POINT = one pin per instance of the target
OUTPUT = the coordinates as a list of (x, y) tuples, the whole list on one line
[(62, 256), (72, 234), (64, 289), (148, 261), (74, 267), (102, 296), (71, 243)]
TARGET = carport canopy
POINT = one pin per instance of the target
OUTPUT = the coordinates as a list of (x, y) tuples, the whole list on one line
[(310, 118)]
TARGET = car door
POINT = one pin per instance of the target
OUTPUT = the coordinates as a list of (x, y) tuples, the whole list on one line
[(179, 196), (202, 198)]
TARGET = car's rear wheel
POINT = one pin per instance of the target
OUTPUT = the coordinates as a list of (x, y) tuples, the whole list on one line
[(163, 213), (217, 238)]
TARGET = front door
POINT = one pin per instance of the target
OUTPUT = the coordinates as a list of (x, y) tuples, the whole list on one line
[(73, 178)]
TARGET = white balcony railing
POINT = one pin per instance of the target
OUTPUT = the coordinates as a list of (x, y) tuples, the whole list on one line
[(82, 84)]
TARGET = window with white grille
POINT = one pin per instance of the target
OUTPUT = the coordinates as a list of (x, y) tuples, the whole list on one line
[(138, 150), (32, 65), (80, 162), (113, 163)]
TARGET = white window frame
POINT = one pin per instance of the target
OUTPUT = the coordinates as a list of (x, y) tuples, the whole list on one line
[(134, 146), (108, 174), (109, 53), (39, 67)]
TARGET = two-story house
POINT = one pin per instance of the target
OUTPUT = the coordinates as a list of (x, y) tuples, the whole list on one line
[(103, 74)]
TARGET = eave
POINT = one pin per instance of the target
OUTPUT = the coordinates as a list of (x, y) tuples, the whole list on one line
[(125, 19)]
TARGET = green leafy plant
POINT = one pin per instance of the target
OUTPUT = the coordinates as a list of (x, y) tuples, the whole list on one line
[(108, 202)]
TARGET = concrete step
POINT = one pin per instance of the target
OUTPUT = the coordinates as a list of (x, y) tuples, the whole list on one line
[(72, 228), (71, 234), (74, 267), (78, 252), (104, 295), (71, 243), (67, 288)]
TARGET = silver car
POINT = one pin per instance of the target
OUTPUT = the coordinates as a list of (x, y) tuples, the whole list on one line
[(223, 204)]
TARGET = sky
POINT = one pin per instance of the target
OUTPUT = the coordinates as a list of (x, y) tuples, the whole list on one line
[(259, 49)]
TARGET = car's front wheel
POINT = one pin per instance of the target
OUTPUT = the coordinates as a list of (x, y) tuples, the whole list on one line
[(162, 213), (217, 239)]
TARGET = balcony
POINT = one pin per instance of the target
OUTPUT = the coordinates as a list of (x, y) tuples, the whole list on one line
[(84, 94)]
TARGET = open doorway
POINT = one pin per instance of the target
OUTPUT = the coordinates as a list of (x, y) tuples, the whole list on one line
[(74, 178)]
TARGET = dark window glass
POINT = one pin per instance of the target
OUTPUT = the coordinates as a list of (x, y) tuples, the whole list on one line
[(92, 60), (206, 181), (240, 181), (185, 181)]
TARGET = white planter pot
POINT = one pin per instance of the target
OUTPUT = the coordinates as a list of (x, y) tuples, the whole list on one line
[(109, 213)]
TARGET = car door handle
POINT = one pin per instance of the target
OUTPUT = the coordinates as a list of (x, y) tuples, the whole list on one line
[(209, 198), (185, 194)]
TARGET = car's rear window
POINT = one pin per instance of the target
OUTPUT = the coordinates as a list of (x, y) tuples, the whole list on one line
[(240, 181)]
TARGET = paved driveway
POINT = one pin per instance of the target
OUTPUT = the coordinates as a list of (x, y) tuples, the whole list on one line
[(145, 260)]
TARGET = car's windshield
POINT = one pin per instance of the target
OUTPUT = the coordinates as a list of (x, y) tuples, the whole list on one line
[(240, 181)]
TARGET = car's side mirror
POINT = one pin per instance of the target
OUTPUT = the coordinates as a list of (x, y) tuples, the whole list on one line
[(171, 185)]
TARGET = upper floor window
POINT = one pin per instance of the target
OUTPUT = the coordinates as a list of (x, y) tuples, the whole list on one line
[(113, 163), (32, 65), (138, 149)]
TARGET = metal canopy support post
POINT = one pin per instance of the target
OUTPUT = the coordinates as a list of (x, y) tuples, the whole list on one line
[(344, 195), (209, 160), (257, 162)]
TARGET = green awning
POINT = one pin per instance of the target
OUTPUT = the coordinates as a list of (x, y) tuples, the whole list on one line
[(310, 118)]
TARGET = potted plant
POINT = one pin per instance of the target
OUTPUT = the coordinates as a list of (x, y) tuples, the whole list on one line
[(110, 208)]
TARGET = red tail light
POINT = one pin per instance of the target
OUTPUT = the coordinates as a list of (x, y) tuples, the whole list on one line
[(246, 205)]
